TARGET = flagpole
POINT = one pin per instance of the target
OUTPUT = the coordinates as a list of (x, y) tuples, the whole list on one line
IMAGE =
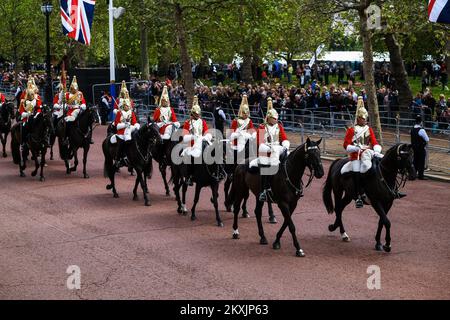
[(112, 73)]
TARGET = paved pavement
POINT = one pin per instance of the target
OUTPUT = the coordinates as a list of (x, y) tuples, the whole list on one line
[(128, 251)]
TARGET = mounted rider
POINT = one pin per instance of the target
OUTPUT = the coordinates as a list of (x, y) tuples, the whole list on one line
[(361, 144), (30, 108), (126, 123), (2, 99), (165, 116), (58, 105), (194, 133), (75, 104), (124, 97), (242, 127), (272, 143)]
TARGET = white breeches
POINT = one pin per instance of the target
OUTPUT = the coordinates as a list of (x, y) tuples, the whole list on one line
[(264, 158), (363, 165), (194, 151), (74, 115), (167, 132), (125, 137)]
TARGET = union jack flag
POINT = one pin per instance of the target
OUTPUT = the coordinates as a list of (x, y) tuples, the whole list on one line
[(76, 18), (439, 11)]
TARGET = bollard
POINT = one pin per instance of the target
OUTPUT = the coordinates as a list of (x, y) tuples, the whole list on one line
[(397, 128), (323, 138)]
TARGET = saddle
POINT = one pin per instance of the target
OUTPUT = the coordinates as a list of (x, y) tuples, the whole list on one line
[(257, 170)]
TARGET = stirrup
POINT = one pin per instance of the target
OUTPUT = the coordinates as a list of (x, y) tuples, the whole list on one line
[(399, 195), (264, 195), (359, 203)]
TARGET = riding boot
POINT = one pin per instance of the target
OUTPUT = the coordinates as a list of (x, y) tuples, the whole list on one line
[(266, 188), (357, 182), (68, 127), (190, 172), (119, 154), (91, 141)]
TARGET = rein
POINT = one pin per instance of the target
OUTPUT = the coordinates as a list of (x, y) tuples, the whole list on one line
[(299, 191), (400, 177)]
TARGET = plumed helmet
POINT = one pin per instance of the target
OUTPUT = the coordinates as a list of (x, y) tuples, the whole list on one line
[(196, 107), (361, 111), (271, 112), (164, 96), (74, 84), (124, 91), (244, 109)]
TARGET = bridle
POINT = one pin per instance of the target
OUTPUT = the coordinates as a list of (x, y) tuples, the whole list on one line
[(401, 174), (299, 191)]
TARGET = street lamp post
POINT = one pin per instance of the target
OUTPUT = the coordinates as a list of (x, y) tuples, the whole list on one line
[(46, 9)]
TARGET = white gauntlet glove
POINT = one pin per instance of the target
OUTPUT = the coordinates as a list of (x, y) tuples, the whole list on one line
[(352, 148)]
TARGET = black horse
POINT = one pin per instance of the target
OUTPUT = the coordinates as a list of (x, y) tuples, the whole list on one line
[(36, 141), (79, 137), (380, 184), (287, 189), (6, 115), (139, 155), (204, 175), (230, 167)]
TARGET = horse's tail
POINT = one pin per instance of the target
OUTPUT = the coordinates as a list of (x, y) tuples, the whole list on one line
[(15, 148), (106, 167), (327, 189)]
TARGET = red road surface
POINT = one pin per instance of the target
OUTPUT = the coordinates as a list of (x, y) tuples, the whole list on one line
[(128, 251)]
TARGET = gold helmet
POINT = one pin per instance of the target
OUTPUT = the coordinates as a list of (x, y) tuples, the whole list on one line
[(271, 112), (361, 111), (124, 91), (196, 107), (165, 97), (32, 85), (244, 108), (74, 84)]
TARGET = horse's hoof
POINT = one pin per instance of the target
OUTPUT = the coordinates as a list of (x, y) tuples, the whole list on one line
[(345, 237), (245, 215), (34, 173), (86, 176), (379, 247), (179, 211), (273, 220), (263, 241), (387, 248), (235, 236), (220, 224), (5, 155), (42, 179), (227, 208), (332, 228), (135, 197), (116, 195), (68, 171), (147, 203), (300, 253), (276, 246), (167, 193), (22, 175), (73, 169), (109, 186), (193, 218)]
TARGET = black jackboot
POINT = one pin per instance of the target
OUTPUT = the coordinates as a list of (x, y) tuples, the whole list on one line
[(266, 188), (357, 183)]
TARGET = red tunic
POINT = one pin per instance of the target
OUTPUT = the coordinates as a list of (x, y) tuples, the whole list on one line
[(262, 129), (348, 140), (187, 125), (72, 108), (235, 126), (37, 108), (119, 120), (2, 98), (157, 115)]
